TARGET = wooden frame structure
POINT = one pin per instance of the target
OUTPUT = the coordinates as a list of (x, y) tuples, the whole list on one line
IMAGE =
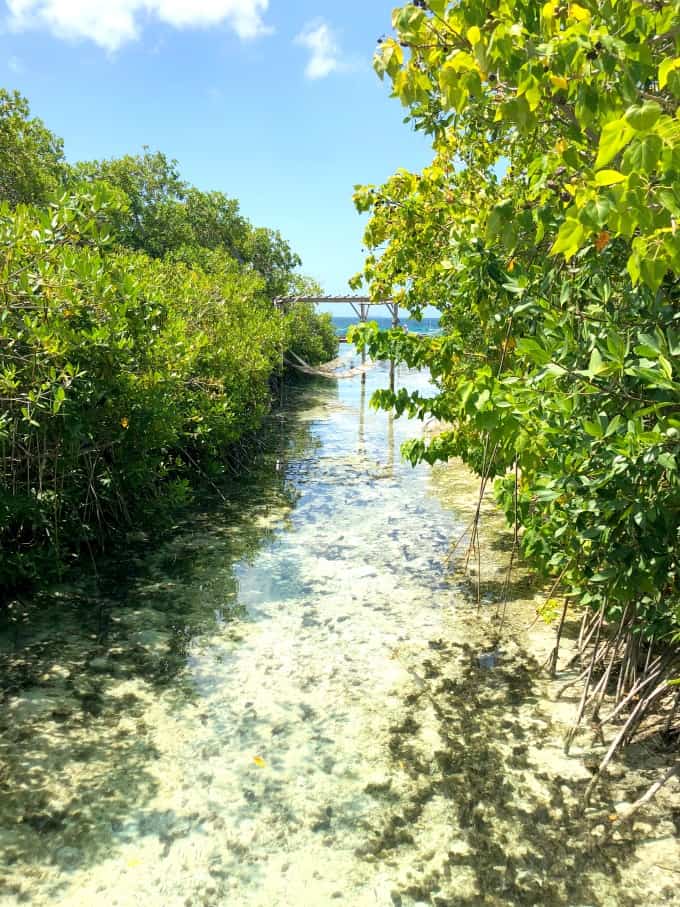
[(360, 304)]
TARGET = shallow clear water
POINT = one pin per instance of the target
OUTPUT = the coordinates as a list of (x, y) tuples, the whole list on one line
[(285, 704)]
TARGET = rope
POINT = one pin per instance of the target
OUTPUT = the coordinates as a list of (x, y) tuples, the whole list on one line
[(327, 370)]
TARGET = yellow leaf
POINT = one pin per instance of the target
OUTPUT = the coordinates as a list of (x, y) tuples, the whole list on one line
[(559, 82), (609, 177), (474, 35), (124, 422), (579, 13), (259, 761), (461, 62), (666, 67), (561, 146)]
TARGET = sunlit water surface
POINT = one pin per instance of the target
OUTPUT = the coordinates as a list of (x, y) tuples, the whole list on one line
[(284, 704)]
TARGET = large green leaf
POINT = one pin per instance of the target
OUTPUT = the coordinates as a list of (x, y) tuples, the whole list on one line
[(643, 117), (615, 136), (569, 238)]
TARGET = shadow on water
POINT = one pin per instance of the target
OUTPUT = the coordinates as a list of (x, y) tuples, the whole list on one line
[(250, 712), (515, 834), (80, 665)]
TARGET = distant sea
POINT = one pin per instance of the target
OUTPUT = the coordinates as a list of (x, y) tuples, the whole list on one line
[(426, 326)]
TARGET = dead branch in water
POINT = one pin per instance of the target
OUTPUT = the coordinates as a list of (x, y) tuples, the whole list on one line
[(646, 798)]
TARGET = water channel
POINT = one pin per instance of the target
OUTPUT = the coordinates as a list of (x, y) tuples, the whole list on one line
[(289, 700)]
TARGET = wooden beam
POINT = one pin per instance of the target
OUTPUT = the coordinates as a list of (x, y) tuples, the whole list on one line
[(337, 300)]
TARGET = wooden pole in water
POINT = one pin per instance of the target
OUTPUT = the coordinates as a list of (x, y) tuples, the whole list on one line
[(364, 318), (395, 323), (362, 417)]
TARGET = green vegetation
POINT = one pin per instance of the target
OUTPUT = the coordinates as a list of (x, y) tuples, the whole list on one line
[(31, 158), (546, 231), (139, 341)]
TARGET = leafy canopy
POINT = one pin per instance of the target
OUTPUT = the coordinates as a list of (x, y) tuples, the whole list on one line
[(138, 341), (546, 232), (165, 215), (31, 157)]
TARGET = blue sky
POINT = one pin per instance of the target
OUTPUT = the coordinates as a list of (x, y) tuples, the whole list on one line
[(272, 101)]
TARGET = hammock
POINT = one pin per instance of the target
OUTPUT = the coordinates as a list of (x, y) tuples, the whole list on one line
[(328, 369)]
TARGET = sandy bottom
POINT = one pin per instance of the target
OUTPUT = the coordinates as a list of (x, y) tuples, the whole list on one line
[(291, 703)]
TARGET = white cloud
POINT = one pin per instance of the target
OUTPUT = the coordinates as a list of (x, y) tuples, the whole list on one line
[(110, 23), (318, 37)]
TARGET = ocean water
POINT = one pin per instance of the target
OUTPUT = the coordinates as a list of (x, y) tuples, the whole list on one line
[(426, 326)]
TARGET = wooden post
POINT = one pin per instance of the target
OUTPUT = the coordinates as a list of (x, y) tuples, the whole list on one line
[(365, 306), (394, 309), (390, 443), (362, 416)]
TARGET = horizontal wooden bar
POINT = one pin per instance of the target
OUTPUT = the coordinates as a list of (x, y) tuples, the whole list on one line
[(363, 300)]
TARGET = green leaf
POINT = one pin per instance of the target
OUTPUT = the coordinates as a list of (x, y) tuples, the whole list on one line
[(482, 399), (407, 22), (649, 341), (555, 369), (516, 111), (593, 428), (596, 213), (388, 58), (653, 271), (614, 137), (546, 494), (670, 201), (570, 238), (616, 346), (596, 365), (59, 398), (643, 117), (533, 351), (613, 426), (643, 154)]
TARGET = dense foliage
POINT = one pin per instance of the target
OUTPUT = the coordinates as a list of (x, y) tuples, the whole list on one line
[(546, 232), (138, 343), (31, 157), (165, 215)]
